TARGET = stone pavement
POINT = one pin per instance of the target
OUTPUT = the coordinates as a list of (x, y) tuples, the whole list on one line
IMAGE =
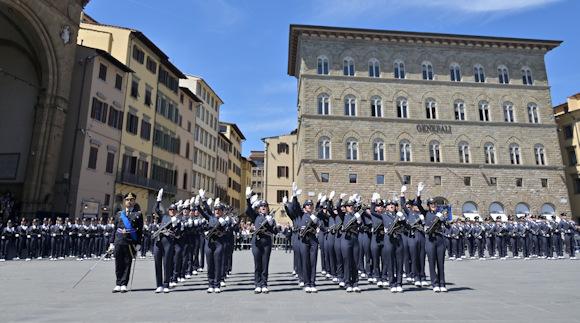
[(479, 291)]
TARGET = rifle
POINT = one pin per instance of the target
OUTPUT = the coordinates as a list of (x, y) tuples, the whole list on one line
[(263, 228), (417, 225), (156, 234), (333, 229), (350, 225), (379, 229), (309, 229), (395, 226), (215, 232), (436, 225)]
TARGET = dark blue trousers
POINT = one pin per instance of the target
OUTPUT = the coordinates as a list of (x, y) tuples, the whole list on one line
[(377, 244), (435, 248), (261, 249), (350, 255), (393, 258), (308, 256), (214, 252), (364, 258), (163, 250)]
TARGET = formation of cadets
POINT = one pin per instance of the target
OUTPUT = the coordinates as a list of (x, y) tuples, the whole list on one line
[(185, 233), (526, 237), (387, 242), (55, 241), (382, 241)]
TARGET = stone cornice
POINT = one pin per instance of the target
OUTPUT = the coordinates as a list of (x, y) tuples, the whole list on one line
[(482, 167), (428, 121), (390, 81), (466, 41)]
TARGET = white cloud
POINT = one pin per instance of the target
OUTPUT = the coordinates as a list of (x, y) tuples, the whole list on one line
[(380, 8), (485, 5)]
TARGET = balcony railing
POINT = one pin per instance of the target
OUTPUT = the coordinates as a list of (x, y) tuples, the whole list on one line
[(148, 183)]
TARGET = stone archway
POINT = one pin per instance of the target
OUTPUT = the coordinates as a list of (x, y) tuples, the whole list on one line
[(39, 40)]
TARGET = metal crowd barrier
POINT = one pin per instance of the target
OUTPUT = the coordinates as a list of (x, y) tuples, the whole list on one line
[(243, 242)]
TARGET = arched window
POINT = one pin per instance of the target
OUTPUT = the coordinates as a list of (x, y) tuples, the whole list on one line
[(533, 113), (522, 209), (322, 65), (527, 76), (348, 66), (376, 106), (324, 104), (434, 151), (350, 106), (469, 208), (459, 107), (489, 151), (540, 155), (405, 150), (402, 109), (503, 75), (431, 109), (463, 152), (378, 150), (515, 154), (399, 69), (483, 111), (427, 69), (508, 112), (374, 68), (496, 208), (547, 209), (351, 149), (478, 74), (455, 72), (324, 148)]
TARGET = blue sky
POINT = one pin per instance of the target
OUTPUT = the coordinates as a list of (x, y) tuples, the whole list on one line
[(241, 46)]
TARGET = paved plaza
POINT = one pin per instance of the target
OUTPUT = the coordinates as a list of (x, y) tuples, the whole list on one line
[(491, 291)]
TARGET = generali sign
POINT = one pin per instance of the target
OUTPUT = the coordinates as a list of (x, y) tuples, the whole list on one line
[(434, 128)]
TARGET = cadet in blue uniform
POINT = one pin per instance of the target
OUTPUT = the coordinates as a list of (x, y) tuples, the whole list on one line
[(33, 235), (294, 217), (178, 245), (188, 234), (215, 239), (265, 229), (478, 233), (129, 224), (198, 238), (338, 221), (322, 227), (569, 228), (364, 244), (330, 234), (308, 222), (415, 235), (377, 239), (557, 240), (163, 247), (351, 223), (109, 233), (20, 235), (83, 240), (435, 246), (393, 248), (46, 237), (56, 244), (6, 237)]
